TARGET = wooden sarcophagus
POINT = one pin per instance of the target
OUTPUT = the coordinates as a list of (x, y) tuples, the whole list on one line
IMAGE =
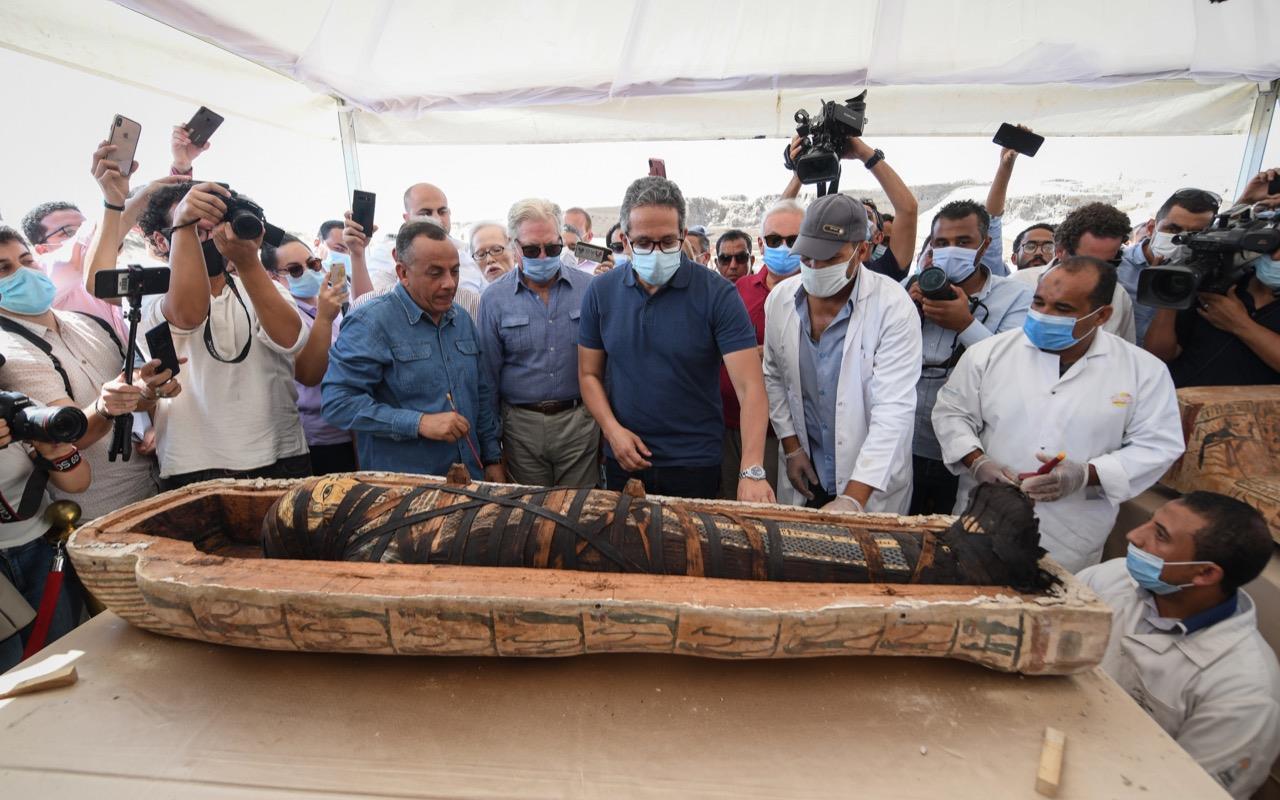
[(413, 565)]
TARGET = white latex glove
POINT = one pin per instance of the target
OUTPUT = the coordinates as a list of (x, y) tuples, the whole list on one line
[(1062, 481), (844, 502), (986, 469)]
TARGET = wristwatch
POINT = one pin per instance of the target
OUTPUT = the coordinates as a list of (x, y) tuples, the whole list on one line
[(755, 472), (876, 158)]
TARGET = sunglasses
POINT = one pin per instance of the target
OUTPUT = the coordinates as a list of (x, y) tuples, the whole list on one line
[(297, 270), (537, 250), (1203, 195), (728, 258), (775, 240)]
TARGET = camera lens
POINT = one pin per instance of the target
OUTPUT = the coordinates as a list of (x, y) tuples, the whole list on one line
[(935, 285), (245, 225), (52, 424)]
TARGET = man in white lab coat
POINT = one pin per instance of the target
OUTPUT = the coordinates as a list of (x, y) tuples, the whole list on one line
[(1184, 636), (1060, 385), (1098, 230), (842, 358)]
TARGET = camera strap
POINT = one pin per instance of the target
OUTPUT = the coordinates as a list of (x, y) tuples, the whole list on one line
[(208, 332), (32, 494), (20, 330)]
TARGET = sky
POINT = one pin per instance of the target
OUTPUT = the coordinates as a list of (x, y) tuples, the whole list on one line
[(301, 182)]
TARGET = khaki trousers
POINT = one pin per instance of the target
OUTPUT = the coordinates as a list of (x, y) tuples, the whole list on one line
[(551, 449)]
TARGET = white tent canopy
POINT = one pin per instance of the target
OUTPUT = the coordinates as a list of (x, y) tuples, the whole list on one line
[(575, 70)]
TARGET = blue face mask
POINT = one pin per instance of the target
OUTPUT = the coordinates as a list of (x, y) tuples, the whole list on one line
[(1267, 271), (1051, 333), (1145, 569), (27, 291), (655, 268), (308, 285), (958, 262), (541, 270), (780, 260)]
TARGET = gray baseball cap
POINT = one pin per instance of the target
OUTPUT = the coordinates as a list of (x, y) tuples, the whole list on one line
[(829, 222)]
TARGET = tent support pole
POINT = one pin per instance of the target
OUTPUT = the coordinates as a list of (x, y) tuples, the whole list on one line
[(1259, 128), (350, 149)]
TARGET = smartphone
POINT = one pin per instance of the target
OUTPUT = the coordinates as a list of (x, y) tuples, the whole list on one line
[(591, 252), (202, 125), (362, 204), (1014, 138), (137, 281), (124, 135), (1273, 186), (658, 167), (338, 274), (160, 345)]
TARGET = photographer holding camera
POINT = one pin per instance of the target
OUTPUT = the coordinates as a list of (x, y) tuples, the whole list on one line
[(1233, 338), (65, 358), (241, 335), (26, 466)]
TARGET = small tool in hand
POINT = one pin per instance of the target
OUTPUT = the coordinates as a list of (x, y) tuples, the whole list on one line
[(470, 444), (1046, 467)]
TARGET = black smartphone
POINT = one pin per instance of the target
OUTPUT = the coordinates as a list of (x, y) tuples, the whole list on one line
[(658, 167), (160, 345), (1273, 186), (125, 282), (591, 252), (362, 205), (1015, 138), (202, 125)]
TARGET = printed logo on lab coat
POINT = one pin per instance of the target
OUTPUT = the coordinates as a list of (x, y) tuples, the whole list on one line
[(1228, 776), (1121, 399)]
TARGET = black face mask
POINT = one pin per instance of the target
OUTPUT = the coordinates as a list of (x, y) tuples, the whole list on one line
[(214, 263)]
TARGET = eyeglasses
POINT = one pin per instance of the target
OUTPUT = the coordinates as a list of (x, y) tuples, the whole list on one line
[(776, 240), (490, 252), (725, 259), (536, 250), (669, 244), (1043, 247), (297, 270), (66, 231), (617, 247)]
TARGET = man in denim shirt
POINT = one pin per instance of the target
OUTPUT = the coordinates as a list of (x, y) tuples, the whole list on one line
[(529, 344), (984, 304), (405, 372)]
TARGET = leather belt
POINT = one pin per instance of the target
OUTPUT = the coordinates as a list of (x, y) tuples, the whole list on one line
[(550, 406)]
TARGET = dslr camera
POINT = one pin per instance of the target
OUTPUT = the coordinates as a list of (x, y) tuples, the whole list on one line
[(36, 423), (934, 284), (248, 220), (825, 138), (1220, 255)]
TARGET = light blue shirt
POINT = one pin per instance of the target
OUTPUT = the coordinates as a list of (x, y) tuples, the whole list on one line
[(819, 376), (1133, 260), (1002, 306), (530, 348), (993, 259)]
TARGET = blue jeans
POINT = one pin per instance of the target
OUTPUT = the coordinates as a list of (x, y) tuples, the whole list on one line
[(27, 566)]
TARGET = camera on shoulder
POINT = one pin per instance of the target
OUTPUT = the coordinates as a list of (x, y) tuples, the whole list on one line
[(1220, 257)]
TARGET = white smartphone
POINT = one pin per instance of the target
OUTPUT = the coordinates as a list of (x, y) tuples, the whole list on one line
[(124, 135)]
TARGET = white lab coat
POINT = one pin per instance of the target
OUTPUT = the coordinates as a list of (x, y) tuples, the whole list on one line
[(875, 396), (1116, 409), (1121, 322), (1214, 691)]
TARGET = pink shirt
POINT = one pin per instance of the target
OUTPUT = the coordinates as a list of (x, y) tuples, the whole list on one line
[(65, 267)]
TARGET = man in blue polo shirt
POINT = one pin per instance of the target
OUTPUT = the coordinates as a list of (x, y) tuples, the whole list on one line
[(650, 343)]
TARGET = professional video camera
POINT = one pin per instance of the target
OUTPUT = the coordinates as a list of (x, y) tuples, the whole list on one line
[(31, 422), (248, 220), (1220, 255), (825, 139)]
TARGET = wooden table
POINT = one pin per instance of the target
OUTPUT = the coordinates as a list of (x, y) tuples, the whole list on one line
[(154, 717)]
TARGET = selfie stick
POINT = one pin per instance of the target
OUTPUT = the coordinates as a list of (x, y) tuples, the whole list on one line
[(122, 433)]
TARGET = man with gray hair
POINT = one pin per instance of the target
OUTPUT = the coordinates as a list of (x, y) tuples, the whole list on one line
[(652, 338), (528, 332), (488, 242)]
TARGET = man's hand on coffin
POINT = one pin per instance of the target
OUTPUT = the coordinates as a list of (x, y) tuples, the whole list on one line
[(844, 502), (628, 450), (447, 426), (800, 472), (986, 469), (1062, 481), (753, 491)]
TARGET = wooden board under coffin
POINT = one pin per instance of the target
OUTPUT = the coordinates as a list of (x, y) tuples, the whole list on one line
[(226, 592)]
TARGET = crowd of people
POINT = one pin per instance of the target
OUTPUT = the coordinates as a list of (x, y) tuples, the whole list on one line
[(805, 364)]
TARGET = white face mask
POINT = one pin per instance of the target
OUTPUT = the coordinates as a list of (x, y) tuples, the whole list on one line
[(825, 281), (1162, 247)]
